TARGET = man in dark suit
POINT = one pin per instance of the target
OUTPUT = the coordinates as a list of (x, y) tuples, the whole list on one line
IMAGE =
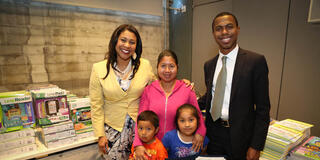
[(240, 130)]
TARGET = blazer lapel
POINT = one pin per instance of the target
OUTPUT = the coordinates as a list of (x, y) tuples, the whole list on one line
[(238, 69), (210, 69)]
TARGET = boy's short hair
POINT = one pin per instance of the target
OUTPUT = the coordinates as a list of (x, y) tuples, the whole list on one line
[(149, 116)]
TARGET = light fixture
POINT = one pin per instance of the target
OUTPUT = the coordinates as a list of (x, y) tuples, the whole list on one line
[(178, 7)]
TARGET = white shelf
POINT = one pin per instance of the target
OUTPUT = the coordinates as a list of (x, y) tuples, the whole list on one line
[(44, 151)]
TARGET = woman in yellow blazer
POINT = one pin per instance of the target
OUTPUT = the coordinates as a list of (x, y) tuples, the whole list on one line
[(116, 85)]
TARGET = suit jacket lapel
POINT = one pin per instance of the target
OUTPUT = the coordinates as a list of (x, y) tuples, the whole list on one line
[(210, 69), (238, 69)]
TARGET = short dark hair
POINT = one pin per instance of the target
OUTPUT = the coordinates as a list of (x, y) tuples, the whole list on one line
[(149, 116), (187, 106), (224, 14), (169, 53)]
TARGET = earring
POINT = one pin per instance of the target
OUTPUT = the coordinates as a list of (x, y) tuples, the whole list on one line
[(134, 56)]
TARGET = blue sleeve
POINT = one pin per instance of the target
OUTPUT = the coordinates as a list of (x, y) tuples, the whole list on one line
[(166, 141), (206, 141)]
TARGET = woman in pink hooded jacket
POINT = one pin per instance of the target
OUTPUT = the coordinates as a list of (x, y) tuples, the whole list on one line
[(164, 97)]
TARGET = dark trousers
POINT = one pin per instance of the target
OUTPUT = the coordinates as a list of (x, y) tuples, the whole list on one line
[(220, 143)]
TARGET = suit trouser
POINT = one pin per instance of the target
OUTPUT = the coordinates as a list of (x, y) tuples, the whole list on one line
[(220, 143)]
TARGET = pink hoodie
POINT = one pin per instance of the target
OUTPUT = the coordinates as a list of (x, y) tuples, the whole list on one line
[(153, 98)]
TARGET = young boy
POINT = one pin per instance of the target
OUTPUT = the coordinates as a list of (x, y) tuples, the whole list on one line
[(148, 127)]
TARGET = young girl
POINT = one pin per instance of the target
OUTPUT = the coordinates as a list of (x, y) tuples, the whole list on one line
[(178, 142)]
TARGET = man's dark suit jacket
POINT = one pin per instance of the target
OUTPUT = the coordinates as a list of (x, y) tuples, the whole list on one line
[(249, 101)]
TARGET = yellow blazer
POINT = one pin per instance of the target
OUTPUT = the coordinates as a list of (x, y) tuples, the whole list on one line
[(109, 103)]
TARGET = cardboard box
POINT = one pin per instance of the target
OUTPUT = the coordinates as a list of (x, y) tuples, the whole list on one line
[(16, 111), (28, 132), (50, 105), (80, 113), (20, 150), (61, 142), (58, 127), (51, 110), (16, 143)]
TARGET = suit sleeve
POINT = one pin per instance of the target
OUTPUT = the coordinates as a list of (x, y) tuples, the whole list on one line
[(144, 105), (97, 102), (193, 100), (261, 98), (202, 99)]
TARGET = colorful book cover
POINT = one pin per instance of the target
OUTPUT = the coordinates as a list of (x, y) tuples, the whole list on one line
[(51, 110), (296, 125), (50, 105), (16, 110), (284, 133), (310, 148), (81, 114), (2, 128)]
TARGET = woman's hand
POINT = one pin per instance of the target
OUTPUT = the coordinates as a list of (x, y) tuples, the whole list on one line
[(140, 153), (197, 142), (188, 83), (103, 143)]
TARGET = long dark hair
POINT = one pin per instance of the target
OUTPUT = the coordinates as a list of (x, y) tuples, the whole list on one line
[(111, 55)]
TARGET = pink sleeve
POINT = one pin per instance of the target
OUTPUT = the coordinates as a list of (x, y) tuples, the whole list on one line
[(193, 100), (144, 104)]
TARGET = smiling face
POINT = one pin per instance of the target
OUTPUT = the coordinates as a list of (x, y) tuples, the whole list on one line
[(187, 122), (167, 69), (126, 45), (146, 131), (225, 32)]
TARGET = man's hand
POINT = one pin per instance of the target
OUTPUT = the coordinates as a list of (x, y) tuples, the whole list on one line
[(253, 154), (103, 143), (188, 83)]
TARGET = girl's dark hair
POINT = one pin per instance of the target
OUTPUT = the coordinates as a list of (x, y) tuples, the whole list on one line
[(111, 55), (149, 116), (169, 53), (187, 106)]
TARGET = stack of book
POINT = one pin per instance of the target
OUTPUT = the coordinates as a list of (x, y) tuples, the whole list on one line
[(282, 137), (309, 150)]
